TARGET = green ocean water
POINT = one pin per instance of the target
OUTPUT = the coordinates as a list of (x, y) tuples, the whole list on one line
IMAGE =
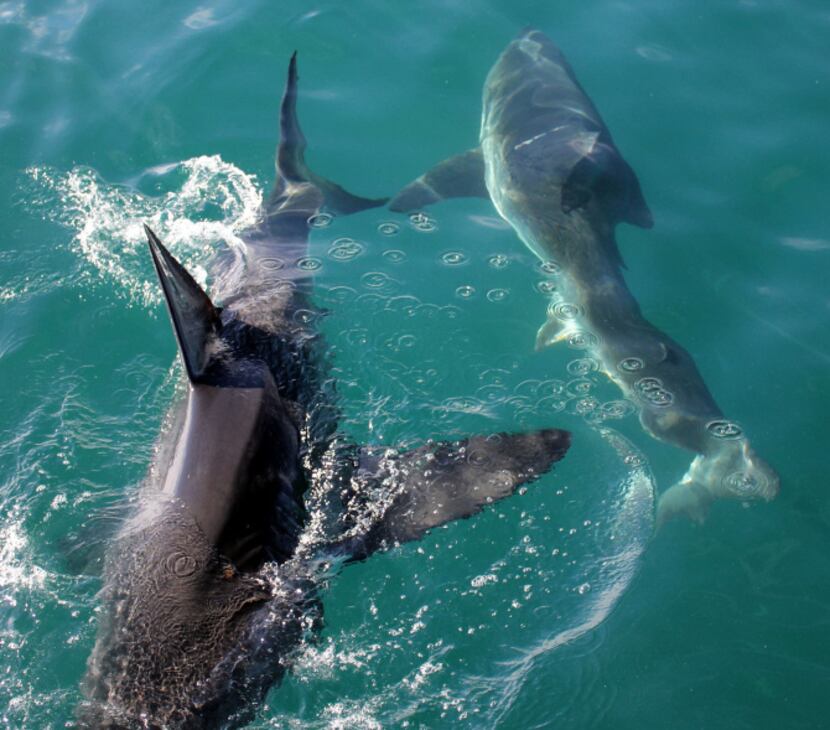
[(555, 608)]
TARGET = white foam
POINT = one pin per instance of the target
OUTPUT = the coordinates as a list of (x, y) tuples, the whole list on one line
[(107, 218)]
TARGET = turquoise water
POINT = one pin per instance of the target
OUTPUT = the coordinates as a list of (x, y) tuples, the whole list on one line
[(529, 615)]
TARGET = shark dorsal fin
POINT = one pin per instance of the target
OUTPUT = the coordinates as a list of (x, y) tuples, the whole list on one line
[(195, 320), (290, 162)]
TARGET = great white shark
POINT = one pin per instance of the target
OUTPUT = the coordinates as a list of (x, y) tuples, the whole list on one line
[(214, 580), (550, 166)]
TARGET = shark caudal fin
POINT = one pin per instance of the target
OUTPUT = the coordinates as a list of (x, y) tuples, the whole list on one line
[(290, 160), (438, 483), (461, 176), (196, 321)]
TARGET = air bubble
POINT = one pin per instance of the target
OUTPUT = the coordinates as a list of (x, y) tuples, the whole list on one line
[(631, 365), (586, 405), (546, 286), (309, 263), (271, 264), (725, 430), (566, 310), (394, 256), (549, 267), (745, 484), (497, 295), (633, 460), (388, 228), (582, 366), (579, 387), (465, 291), (407, 341), (498, 261), (614, 409), (345, 249), (454, 258), (422, 222), (181, 564), (321, 220), (652, 391), (374, 279), (583, 589), (582, 340)]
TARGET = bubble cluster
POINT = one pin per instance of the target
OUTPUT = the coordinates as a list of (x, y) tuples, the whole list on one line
[(725, 430), (651, 390), (345, 249), (320, 220), (388, 228)]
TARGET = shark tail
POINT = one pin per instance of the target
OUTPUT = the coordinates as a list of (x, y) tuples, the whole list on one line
[(290, 159)]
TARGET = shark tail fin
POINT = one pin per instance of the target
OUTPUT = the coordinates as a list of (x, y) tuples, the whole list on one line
[(438, 483), (290, 159), (196, 321), (461, 176)]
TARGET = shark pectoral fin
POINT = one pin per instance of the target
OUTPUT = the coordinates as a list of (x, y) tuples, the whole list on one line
[(290, 161), (196, 321), (551, 332), (604, 174), (442, 482), (461, 176)]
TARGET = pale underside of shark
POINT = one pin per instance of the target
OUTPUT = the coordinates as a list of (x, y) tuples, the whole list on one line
[(548, 163), (213, 582)]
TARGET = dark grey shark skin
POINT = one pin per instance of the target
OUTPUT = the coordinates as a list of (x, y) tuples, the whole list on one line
[(548, 163), (211, 584)]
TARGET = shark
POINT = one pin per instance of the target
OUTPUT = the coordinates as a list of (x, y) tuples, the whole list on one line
[(215, 579), (550, 166)]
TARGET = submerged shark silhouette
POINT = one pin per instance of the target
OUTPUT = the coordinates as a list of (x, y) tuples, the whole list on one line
[(549, 165), (210, 584)]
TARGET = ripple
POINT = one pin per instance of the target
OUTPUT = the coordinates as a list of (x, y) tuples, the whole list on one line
[(582, 340), (374, 279), (498, 295), (345, 249), (566, 311), (498, 261), (320, 220), (388, 228), (271, 263), (549, 267), (309, 263), (725, 430), (394, 256), (454, 258), (546, 286), (465, 291), (746, 484), (615, 409), (631, 365), (422, 222), (181, 564), (582, 366), (651, 390)]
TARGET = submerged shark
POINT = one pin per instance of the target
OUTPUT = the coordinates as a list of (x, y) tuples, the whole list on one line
[(549, 165), (215, 579)]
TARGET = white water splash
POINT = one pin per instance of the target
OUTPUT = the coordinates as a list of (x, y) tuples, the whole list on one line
[(206, 202)]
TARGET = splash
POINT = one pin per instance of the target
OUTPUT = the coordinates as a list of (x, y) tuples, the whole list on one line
[(194, 206)]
